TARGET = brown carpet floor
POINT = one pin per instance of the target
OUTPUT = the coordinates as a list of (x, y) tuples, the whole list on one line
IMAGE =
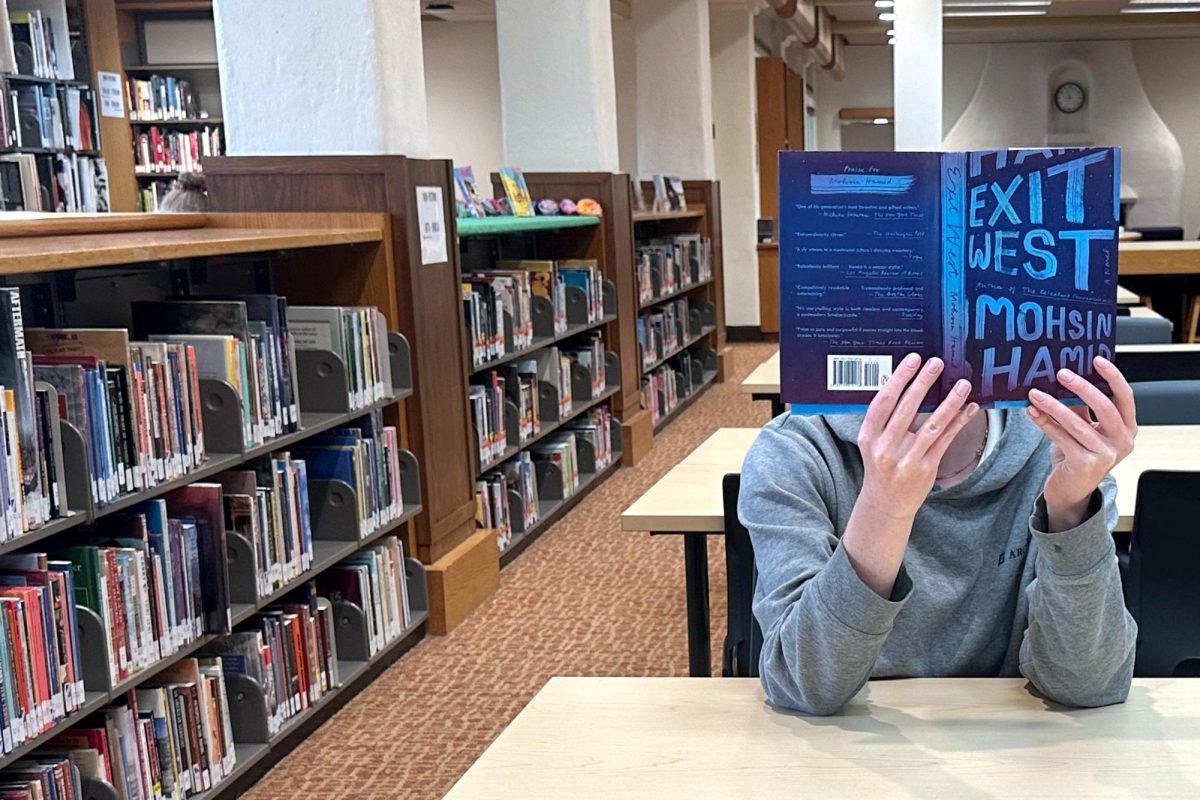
[(585, 599)]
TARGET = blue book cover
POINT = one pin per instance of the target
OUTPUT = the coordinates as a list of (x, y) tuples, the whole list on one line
[(1001, 262)]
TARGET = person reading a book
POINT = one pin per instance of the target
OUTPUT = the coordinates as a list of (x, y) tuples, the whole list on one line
[(951, 543)]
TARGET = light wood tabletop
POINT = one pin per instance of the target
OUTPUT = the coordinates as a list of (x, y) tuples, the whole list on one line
[(1158, 258), (1126, 297), (687, 499), (961, 738), (764, 379)]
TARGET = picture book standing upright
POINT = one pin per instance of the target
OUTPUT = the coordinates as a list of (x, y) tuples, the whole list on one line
[(1003, 263)]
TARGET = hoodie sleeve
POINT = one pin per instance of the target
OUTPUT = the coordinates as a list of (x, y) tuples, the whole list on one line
[(822, 626), (1078, 647)]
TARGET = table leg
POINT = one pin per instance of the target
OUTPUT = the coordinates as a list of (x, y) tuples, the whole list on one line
[(695, 570)]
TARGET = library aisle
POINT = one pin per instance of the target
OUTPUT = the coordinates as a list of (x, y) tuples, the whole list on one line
[(585, 599)]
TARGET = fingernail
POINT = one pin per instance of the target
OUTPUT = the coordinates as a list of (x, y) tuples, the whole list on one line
[(972, 410), (912, 360), (1065, 376), (1102, 362), (1038, 395), (962, 388), (934, 365), (1033, 412)]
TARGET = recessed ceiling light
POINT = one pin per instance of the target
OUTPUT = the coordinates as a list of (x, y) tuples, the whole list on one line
[(881, 121), (884, 3), (1188, 9), (1164, 2), (887, 16), (892, 41), (891, 32), (994, 13), (996, 4)]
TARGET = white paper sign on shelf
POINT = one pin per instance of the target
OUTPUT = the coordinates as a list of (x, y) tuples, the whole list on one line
[(112, 101), (433, 225)]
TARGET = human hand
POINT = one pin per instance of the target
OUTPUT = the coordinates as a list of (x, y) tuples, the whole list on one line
[(900, 466), (1083, 451)]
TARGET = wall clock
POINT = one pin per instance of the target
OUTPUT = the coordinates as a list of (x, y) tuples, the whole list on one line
[(1069, 97)]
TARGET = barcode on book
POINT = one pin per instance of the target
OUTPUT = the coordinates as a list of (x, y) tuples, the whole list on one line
[(849, 373)]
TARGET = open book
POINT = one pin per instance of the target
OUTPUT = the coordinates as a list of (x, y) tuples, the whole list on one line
[(1001, 262)]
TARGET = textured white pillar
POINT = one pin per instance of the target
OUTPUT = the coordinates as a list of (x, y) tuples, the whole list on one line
[(558, 105), (917, 74), (733, 102), (307, 77), (674, 88)]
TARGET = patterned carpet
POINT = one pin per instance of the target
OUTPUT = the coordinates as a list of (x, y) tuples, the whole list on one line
[(585, 599)]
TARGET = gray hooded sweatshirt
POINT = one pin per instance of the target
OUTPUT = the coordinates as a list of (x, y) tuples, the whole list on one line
[(984, 589)]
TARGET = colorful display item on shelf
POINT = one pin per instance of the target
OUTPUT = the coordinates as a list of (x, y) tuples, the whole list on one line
[(589, 208), (547, 207), (567, 206)]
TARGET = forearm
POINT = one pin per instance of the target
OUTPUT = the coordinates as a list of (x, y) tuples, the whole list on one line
[(875, 540), (1079, 645), (824, 644)]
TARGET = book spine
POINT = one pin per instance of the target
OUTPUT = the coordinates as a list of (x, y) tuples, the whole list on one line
[(954, 300)]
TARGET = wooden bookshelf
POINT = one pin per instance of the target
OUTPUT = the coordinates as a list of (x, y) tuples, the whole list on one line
[(702, 216), (277, 252)]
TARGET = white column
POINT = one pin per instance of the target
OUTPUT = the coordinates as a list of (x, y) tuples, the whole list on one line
[(734, 95), (674, 89), (558, 103), (917, 74), (306, 76)]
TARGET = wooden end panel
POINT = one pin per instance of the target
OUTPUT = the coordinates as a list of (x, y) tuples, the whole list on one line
[(461, 580)]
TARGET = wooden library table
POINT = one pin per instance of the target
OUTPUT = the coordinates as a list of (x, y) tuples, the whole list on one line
[(687, 500), (663, 738), (1180, 257)]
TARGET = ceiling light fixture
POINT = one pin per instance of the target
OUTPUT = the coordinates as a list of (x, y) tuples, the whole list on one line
[(881, 121), (996, 4), (891, 32), (885, 3), (1175, 9), (994, 13), (887, 16)]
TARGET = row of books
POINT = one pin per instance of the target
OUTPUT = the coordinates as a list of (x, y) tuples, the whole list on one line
[(162, 97), (158, 150), (170, 738), (678, 262), (53, 182), (36, 45), (507, 291), (492, 507), (151, 194), (662, 330), (48, 116), (661, 392), (487, 395)]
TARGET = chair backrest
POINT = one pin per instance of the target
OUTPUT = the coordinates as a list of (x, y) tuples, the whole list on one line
[(1143, 330), (743, 641), (1162, 587), (1167, 402), (1173, 362), (1160, 233)]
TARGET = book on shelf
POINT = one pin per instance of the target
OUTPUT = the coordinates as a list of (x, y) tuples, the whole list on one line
[(489, 300), (150, 194), (55, 182), (467, 196), (679, 262), (40, 38), (560, 449), (553, 369), (163, 98), (374, 580), (588, 351), (668, 193), (486, 395), (356, 333), (493, 509), (516, 191), (584, 274), (595, 428), (41, 666), (268, 506), (664, 387), (47, 775), (40, 115), (1001, 262), (136, 404), (546, 282), (160, 150), (365, 454)]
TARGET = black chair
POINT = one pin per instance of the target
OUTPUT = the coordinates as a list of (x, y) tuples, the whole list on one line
[(1162, 590), (743, 641), (1167, 402), (1143, 330), (1160, 233), (1139, 363)]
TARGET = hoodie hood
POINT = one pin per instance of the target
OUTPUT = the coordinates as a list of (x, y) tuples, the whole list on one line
[(1020, 442)]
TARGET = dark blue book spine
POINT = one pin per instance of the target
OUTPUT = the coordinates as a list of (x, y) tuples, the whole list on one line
[(954, 299)]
